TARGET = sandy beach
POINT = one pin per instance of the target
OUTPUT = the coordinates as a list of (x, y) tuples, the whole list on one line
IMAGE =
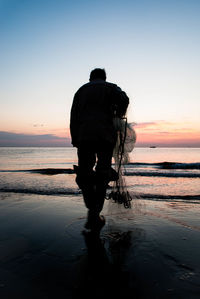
[(152, 252)]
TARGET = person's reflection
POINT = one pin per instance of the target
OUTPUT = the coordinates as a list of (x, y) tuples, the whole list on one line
[(100, 272)]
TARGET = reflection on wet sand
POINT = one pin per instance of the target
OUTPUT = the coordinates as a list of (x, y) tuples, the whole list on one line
[(102, 272)]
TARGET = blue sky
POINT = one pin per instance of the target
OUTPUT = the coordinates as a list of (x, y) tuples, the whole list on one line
[(149, 48)]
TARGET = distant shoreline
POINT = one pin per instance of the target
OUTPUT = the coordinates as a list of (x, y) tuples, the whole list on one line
[(68, 146)]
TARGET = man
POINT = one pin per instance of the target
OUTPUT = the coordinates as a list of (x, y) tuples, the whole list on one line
[(94, 106)]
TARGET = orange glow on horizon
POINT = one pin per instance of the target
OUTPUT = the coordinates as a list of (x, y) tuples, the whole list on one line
[(158, 133), (165, 133)]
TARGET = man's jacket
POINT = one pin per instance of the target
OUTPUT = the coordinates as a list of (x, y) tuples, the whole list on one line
[(94, 106)]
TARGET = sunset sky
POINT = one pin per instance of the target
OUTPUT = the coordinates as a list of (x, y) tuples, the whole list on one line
[(149, 48)]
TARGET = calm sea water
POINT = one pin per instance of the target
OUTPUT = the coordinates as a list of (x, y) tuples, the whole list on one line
[(160, 173)]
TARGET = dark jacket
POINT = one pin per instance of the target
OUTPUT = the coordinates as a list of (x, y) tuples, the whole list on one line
[(94, 106)]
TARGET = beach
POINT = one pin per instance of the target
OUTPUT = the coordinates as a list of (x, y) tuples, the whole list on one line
[(150, 251), (153, 254)]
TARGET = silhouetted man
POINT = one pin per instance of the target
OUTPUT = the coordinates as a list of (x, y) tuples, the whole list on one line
[(94, 106)]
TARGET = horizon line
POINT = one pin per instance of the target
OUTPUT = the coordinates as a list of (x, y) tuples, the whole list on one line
[(140, 146)]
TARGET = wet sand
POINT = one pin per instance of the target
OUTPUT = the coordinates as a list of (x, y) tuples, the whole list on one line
[(151, 253)]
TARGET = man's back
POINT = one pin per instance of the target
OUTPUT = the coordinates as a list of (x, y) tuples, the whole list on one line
[(94, 107)]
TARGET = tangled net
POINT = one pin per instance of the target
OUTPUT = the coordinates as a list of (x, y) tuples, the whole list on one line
[(125, 143)]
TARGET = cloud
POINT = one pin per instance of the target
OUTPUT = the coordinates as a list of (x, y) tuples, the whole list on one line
[(38, 125), (18, 139), (146, 124), (163, 133)]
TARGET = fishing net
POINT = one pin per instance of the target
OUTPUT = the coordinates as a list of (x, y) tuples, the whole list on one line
[(126, 138)]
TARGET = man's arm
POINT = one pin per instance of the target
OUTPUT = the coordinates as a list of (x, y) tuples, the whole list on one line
[(74, 120), (121, 101)]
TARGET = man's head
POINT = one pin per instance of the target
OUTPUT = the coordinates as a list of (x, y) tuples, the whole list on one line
[(98, 74)]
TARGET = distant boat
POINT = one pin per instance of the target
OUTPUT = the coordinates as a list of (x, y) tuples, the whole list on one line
[(153, 146)]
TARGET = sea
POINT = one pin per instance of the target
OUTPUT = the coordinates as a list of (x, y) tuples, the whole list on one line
[(164, 174)]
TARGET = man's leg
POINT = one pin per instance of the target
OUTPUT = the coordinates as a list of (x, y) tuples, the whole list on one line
[(103, 170), (94, 186), (86, 179), (85, 174)]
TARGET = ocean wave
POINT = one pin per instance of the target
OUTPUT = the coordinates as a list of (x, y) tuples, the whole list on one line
[(170, 197), (165, 166), (162, 174), (75, 192), (160, 165), (168, 165), (42, 191), (47, 171)]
